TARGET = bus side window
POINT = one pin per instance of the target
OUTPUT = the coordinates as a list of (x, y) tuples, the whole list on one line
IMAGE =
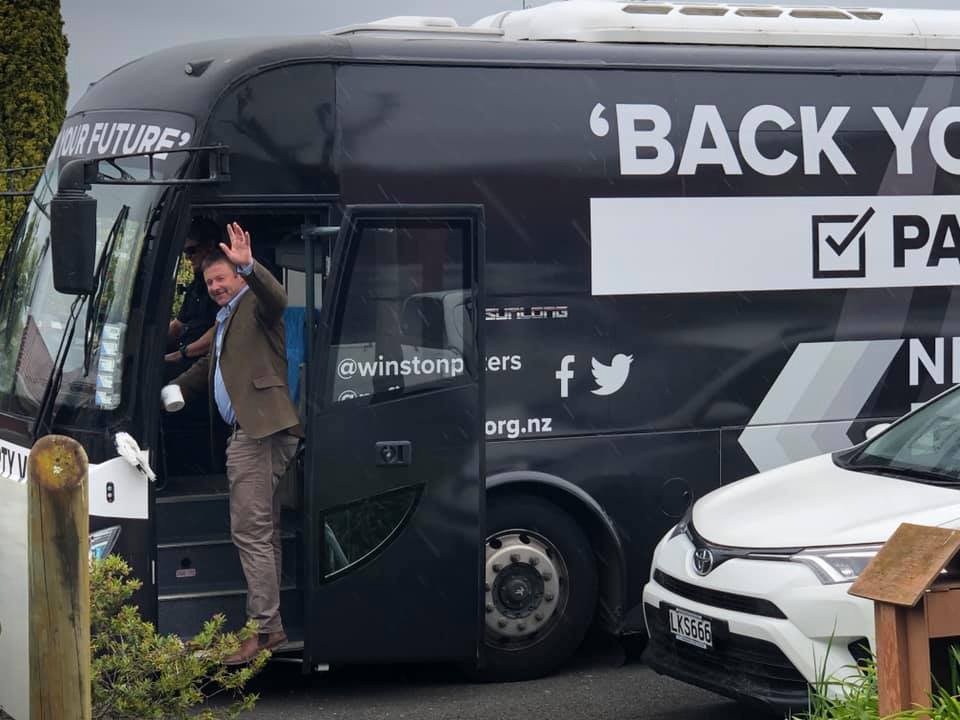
[(398, 327)]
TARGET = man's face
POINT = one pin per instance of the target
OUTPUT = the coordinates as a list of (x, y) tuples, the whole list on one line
[(223, 282), (195, 253)]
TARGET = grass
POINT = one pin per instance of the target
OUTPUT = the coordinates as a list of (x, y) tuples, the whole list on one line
[(855, 697)]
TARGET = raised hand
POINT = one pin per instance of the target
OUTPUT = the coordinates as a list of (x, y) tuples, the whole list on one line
[(238, 251)]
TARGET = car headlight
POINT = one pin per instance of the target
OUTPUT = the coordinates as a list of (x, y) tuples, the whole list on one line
[(834, 565)]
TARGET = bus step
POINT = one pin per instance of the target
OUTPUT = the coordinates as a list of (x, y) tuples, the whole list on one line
[(292, 651), (293, 645), (201, 516), (208, 565), (184, 485), (184, 614), (182, 517)]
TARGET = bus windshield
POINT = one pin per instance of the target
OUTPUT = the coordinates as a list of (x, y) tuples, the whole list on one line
[(34, 316)]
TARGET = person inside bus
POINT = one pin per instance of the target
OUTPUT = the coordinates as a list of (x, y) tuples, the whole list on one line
[(191, 331), (245, 377)]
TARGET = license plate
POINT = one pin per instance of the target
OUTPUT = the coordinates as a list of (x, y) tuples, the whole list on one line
[(691, 628)]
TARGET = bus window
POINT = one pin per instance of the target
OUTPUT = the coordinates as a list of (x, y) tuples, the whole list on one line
[(399, 326), (356, 531)]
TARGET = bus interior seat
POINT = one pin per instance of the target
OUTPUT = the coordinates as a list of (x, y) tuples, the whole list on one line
[(290, 490), (422, 321), (293, 319)]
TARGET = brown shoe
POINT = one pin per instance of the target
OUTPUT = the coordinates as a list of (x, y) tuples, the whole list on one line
[(253, 646)]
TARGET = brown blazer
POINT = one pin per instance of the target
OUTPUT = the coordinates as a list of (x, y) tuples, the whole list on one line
[(253, 362)]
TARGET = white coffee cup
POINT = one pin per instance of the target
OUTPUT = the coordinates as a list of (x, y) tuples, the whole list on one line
[(172, 398)]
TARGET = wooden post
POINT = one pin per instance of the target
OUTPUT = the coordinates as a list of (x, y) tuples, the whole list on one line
[(893, 670), (59, 570)]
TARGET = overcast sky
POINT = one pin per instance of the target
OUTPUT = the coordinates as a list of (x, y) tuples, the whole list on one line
[(104, 34)]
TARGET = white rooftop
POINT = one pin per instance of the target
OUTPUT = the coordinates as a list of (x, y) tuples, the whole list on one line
[(649, 21)]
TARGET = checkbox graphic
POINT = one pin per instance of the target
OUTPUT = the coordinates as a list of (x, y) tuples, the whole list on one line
[(843, 258)]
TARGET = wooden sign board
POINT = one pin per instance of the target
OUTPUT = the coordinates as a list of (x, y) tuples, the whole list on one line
[(907, 565)]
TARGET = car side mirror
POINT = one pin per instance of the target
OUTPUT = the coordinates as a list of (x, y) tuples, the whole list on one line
[(73, 231), (875, 430)]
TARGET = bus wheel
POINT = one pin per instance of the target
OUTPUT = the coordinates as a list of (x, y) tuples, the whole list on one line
[(540, 588)]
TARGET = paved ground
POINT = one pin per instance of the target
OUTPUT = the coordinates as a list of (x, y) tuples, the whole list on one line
[(596, 686)]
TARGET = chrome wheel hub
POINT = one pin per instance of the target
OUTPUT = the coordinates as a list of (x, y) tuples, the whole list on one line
[(523, 585)]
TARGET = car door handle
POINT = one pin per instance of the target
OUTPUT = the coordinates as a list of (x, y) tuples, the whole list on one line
[(394, 453)]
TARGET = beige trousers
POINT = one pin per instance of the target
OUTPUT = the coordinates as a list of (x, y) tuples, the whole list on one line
[(254, 468)]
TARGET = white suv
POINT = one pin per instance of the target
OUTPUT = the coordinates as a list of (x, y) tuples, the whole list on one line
[(748, 594)]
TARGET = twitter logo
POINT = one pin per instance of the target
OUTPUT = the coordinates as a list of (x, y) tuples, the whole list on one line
[(610, 378)]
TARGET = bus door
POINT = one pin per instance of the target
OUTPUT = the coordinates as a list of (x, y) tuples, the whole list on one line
[(395, 460)]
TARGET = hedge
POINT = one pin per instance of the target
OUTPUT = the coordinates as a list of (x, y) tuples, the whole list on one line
[(33, 93)]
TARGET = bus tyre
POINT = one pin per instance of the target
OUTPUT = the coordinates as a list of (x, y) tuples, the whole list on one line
[(540, 588)]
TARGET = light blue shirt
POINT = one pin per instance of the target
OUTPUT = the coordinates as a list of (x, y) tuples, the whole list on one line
[(220, 395)]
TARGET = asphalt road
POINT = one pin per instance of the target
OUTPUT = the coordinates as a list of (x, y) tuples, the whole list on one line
[(598, 685)]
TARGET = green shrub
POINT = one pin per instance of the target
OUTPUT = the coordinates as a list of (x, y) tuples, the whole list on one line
[(140, 675), (945, 704), (857, 697)]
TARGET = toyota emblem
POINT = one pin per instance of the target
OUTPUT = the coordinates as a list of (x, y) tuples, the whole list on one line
[(702, 561)]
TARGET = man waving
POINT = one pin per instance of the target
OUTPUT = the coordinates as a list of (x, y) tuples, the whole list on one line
[(244, 377)]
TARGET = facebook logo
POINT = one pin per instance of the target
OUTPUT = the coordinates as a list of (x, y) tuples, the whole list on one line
[(565, 374)]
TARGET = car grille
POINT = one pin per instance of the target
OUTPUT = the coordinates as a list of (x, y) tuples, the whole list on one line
[(718, 598), (740, 667)]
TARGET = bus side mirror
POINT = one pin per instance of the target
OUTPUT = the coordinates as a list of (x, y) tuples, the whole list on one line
[(73, 232)]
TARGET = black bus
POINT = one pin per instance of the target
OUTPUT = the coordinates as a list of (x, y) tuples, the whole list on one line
[(550, 278)]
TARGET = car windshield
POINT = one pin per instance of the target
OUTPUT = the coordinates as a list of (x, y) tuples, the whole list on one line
[(924, 446), (34, 316)]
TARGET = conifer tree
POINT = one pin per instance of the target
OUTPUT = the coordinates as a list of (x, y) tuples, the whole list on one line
[(33, 94)]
